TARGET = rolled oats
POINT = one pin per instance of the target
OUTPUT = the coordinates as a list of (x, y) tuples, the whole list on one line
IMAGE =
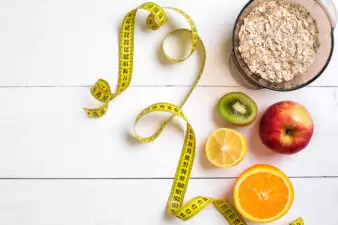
[(278, 40)]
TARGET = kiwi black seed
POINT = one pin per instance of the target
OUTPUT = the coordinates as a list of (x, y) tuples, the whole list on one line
[(237, 108)]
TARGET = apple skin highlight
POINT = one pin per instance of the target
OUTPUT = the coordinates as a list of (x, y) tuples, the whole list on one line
[(286, 127)]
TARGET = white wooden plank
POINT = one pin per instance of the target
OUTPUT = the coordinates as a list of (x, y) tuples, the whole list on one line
[(143, 202), (73, 42), (45, 133)]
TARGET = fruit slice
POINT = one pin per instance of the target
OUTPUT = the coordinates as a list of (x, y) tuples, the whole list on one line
[(237, 108), (263, 194), (225, 148)]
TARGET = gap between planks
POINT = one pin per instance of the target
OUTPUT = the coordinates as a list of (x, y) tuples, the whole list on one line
[(150, 86), (149, 178)]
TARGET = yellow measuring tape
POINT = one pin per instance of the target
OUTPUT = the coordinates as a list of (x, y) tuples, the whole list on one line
[(157, 17), (102, 92), (183, 171), (298, 221)]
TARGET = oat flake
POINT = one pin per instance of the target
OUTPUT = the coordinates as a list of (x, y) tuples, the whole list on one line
[(278, 40)]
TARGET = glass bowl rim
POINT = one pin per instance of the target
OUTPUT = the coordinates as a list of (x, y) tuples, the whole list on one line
[(272, 88)]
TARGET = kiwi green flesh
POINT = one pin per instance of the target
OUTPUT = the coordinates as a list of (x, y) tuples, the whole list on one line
[(237, 108)]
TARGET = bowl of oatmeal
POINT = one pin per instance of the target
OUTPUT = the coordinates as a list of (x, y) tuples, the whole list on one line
[(282, 45)]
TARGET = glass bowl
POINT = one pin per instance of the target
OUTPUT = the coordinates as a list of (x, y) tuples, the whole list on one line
[(325, 14)]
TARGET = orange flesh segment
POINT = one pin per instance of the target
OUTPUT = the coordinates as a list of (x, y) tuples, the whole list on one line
[(263, 195)]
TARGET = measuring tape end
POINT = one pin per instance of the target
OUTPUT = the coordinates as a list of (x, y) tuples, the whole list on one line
[(96, 113), (298, 221)]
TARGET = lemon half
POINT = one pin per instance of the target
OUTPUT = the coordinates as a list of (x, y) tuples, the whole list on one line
[(226, 148)]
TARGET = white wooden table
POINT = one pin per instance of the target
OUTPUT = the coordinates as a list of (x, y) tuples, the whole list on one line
[(59, 168)]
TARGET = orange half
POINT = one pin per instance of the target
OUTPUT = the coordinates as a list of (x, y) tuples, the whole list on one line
[(263, 194)]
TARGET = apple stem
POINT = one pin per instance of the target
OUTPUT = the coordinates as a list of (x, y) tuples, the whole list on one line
[(288, 131)]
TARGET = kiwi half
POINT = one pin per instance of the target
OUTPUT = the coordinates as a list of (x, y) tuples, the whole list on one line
[(237, 108)]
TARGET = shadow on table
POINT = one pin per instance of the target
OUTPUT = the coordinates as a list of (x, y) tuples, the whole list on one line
[(255, 146)]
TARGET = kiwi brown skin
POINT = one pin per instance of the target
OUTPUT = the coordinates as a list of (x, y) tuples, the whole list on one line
[(253, 105)]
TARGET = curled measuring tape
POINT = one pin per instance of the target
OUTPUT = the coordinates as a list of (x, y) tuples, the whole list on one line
[(157, 17), (181, 180), (102, 92)]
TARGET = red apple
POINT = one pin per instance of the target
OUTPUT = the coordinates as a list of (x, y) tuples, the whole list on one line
[(286, 127)]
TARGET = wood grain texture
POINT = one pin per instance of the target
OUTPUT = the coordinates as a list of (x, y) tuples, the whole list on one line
[(48, 43), (45, 133), (143, 202), (57, 49)]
